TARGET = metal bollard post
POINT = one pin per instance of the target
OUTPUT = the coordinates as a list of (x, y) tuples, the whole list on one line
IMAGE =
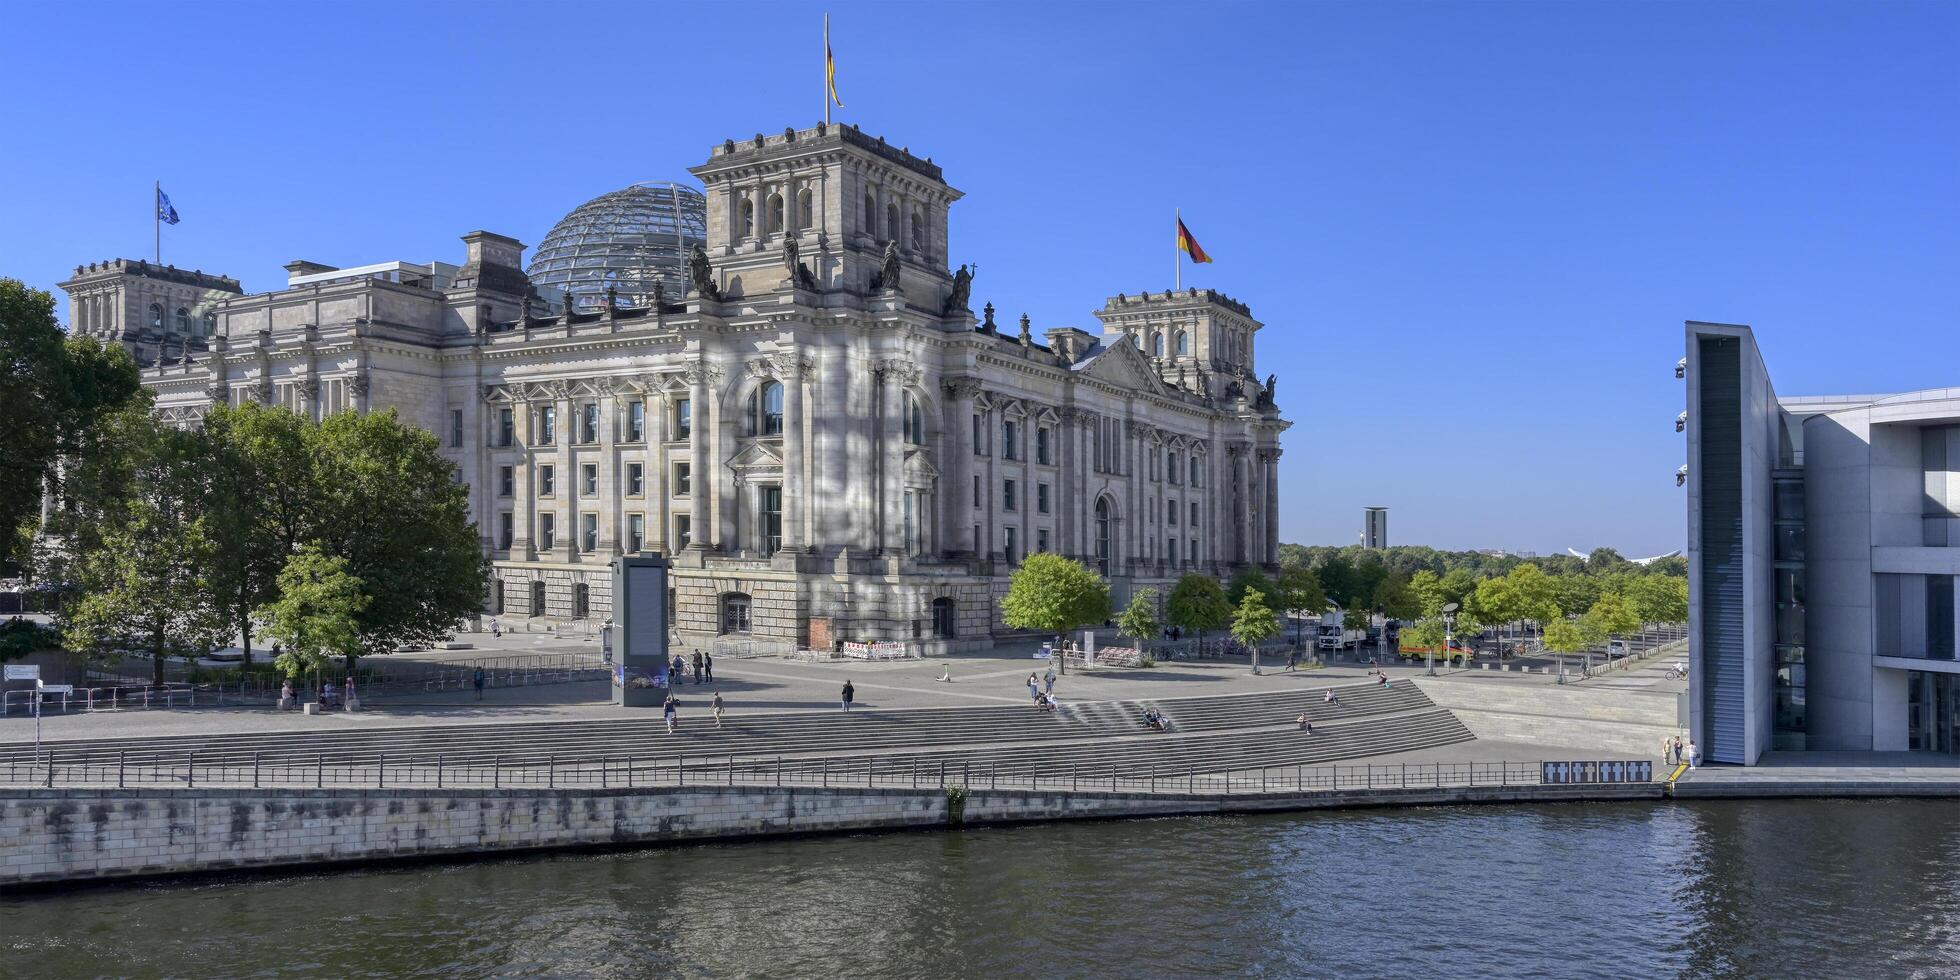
[(1112, 777), (731, 770), (966, 774), (551, 772), (1074, 772), (1262, 779), (380, 771), (119, 769), (255, 770), (438, 770), (319, 771), (779, 772), (680, 770), (50, 782), (826, 771), (497, 773), (190, 769)]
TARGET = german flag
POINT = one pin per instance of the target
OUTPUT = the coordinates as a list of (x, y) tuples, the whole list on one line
[(1189, 245)]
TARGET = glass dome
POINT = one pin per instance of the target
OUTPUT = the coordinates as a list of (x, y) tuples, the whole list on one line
[(629, 239)]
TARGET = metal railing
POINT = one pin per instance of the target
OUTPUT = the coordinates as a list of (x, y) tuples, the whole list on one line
[(425, 772)]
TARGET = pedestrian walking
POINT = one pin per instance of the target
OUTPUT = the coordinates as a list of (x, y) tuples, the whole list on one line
[(697, 666), (476, 679), (708, 666), (1048, 682), (1694, 755), (679, 670), (850, 694), (670, 709), (1667, 747), (717, 709), (1034, 686), (286, 694)]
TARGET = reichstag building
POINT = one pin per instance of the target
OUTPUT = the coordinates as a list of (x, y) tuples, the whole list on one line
[(778, 383)]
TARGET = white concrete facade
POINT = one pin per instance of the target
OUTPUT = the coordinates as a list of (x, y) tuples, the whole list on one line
[(820, 433), (1849, 556)]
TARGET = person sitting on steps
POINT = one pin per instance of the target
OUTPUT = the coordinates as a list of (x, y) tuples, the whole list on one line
[(1305, 725)]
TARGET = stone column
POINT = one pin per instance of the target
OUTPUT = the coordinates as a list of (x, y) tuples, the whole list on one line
[(523, 479), (1270, 545), (699, 510), (659, 492), (956, 477), (892, 377), (611, 529), (566, 504), (789, 368), (1242, 495), (720, 487)]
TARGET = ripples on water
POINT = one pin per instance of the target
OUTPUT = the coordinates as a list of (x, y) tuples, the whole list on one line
[(1770, 889)]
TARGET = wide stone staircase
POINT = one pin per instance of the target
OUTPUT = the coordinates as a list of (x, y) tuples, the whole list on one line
[(1207, 734)]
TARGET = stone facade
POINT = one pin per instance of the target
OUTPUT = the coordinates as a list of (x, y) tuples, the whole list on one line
[(162, 313), (819, 430)]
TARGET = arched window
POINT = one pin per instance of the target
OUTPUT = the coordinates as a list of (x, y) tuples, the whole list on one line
[(891, 221), (870, 215), (766, 410), (915, 422), (537, 598), (747, 219), (156, 316), (1102, 536), (735, 612), (806, 209), (581, 600), (183, 320), (210, 324), (918, 230), (1156, 345), (775, 214), (942, 617), (1183, 343)]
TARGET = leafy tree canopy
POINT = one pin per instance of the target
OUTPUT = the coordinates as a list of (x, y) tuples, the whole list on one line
[(1197, 603), (1254, 622), (1053, 594), (1138, 621)]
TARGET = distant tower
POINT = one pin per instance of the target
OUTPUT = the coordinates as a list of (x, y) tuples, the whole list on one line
[(1374, 524)]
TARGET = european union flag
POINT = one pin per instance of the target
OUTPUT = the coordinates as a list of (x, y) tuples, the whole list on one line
[(165, 213)]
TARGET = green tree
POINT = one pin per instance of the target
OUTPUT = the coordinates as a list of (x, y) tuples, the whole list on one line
[(1138, 621), (1564, 635), (1197, 603), (1254, 622), (316, 613), (1248, 580), (1427, 633), (1426, 589), (388, 506), (143, 570), (264, 497), (1395, 597), (1051, 594), (1612, 616), (52, 393), (1658, 598), (1575, 594), (1300, 592), (1457, 584)]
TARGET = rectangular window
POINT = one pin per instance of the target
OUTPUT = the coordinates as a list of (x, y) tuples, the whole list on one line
[(506, 427), (1041, 540), (635, 480), (506, 480), (772, 519), (1009, 543), (1041, 500), (911, 522), (636, 533), (1194, 514), (1042, 454), (506, 530), (588, 423), (1192, 555), (978, 542), (1194, 472), (546, 531), (455, 428), (1007, 494), (1170, 512), (683, 531), (588, 533), (979, 434), (547, 480), (547, 426), (636, 422), (977, 494), (683, 419), (588, 477), (1010, 440), (683, 483), (1170, 550)]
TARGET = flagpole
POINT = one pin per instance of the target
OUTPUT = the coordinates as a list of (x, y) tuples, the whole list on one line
[(156, 217), (826, 70), (1177, 246)]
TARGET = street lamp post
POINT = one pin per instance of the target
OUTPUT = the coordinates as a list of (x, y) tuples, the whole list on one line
[(1449, 621)]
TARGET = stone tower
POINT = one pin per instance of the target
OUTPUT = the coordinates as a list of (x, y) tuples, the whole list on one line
[(160, 312)]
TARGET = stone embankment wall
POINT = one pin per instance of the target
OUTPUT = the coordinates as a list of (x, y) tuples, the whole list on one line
[(54, 835)]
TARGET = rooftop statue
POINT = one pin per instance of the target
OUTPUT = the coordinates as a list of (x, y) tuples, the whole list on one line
[(700, 276), (962, 291)]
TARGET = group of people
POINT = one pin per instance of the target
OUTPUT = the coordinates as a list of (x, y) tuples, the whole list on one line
[(1676, 751), (704, 668), (1380, 674), (671, 710), (329, 696), (1155, 721), (1041, 690)]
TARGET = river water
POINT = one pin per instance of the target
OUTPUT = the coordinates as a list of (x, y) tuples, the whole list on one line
[(1758, 889)]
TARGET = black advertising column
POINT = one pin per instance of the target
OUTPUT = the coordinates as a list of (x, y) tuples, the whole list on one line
[(640, 630)]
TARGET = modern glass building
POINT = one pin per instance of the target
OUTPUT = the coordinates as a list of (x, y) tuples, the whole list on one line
[(1823, 549), (629, 240)]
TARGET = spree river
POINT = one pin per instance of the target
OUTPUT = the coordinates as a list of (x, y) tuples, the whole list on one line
[(1758, 889)]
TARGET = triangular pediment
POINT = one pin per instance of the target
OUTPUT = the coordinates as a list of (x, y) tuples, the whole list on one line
[(758, 456), (919, 468), (1122, 365)]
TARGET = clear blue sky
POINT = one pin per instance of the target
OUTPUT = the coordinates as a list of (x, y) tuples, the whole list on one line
[(1472, 230)]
